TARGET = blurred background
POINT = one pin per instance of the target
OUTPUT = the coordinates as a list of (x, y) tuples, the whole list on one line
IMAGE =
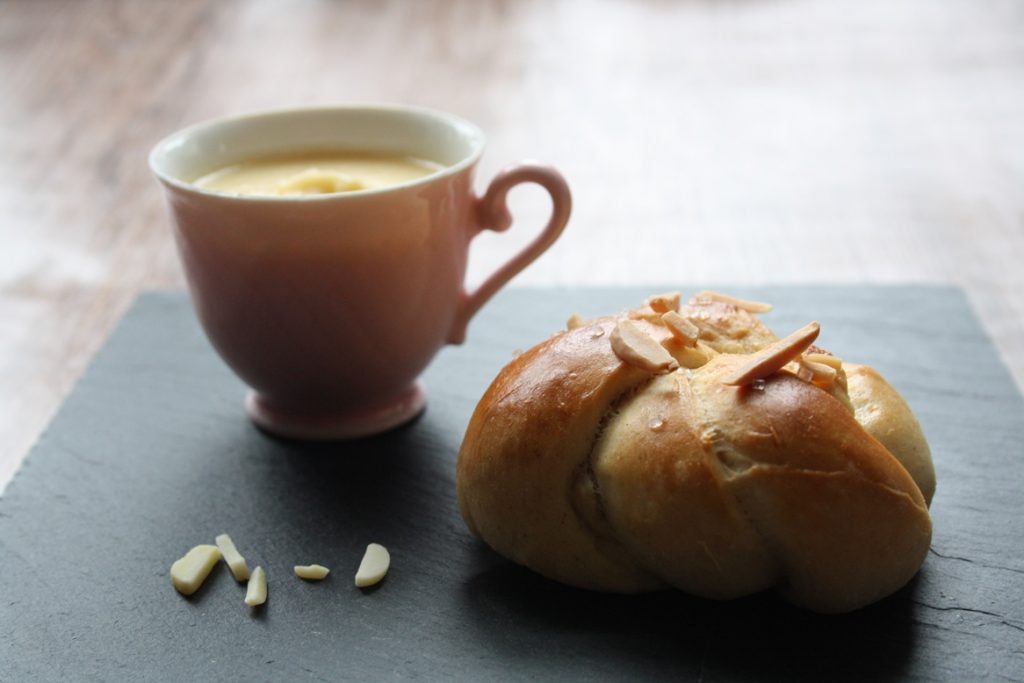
[(709, 142)]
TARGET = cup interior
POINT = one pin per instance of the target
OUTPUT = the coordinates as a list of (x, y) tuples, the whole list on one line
[(203, 148)]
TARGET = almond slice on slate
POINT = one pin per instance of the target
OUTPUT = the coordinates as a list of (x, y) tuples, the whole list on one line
[(189, 572), (311, 572), (234, 560), (256, 590), (374, 566)]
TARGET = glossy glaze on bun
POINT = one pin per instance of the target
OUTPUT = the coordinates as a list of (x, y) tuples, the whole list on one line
[(689, 447)]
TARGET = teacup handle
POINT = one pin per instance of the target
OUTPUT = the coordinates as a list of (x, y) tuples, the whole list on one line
[(493, 214)]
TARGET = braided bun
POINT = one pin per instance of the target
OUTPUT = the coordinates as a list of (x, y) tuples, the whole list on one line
[(689, 447)]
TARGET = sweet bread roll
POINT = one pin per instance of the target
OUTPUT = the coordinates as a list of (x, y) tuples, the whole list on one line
[(689, 447)]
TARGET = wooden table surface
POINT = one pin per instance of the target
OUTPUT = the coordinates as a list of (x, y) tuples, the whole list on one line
[(767, 141)]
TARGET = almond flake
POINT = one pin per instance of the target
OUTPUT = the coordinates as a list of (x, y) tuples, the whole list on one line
[(234, 560), (828, 359), (820, 372), (749, 306), (681, 328), (256, 589), (774, 357), (575, 320), (374, 565), (637, 348), (311, 572), (663, 303), (189, 572)]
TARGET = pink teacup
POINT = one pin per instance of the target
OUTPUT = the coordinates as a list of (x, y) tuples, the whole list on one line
[(330, 306)]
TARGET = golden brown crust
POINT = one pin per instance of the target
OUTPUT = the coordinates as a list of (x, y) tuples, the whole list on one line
[(665, 496), (886, 416), (526, 442), (609, 476)]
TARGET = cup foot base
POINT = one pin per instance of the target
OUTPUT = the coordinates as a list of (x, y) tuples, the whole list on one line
[(332, 426)]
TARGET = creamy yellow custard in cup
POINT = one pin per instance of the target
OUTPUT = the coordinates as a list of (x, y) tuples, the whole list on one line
[(316, 172)]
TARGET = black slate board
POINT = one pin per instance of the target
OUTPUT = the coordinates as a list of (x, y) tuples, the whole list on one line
[(151, 454)]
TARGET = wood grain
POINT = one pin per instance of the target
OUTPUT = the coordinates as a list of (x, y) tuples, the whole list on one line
[(718, 142)]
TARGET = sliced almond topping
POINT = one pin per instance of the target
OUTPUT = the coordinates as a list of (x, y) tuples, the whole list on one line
[(749, 306), (663, 303), (820, 372), (644, 313), (688, 356), (681, 328), (833, 362), (773, 357), (575, 320), (637, 348)]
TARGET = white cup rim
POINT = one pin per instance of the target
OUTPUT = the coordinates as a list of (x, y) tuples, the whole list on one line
[(471, 131)]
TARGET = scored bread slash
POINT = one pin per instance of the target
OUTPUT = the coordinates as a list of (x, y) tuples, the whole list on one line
[(637, 348), (189, 572), (311, 572), (374, 566), (663, 303), (744, 304), (256, 590), (236, 563), (774, 357), (681, 328)]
